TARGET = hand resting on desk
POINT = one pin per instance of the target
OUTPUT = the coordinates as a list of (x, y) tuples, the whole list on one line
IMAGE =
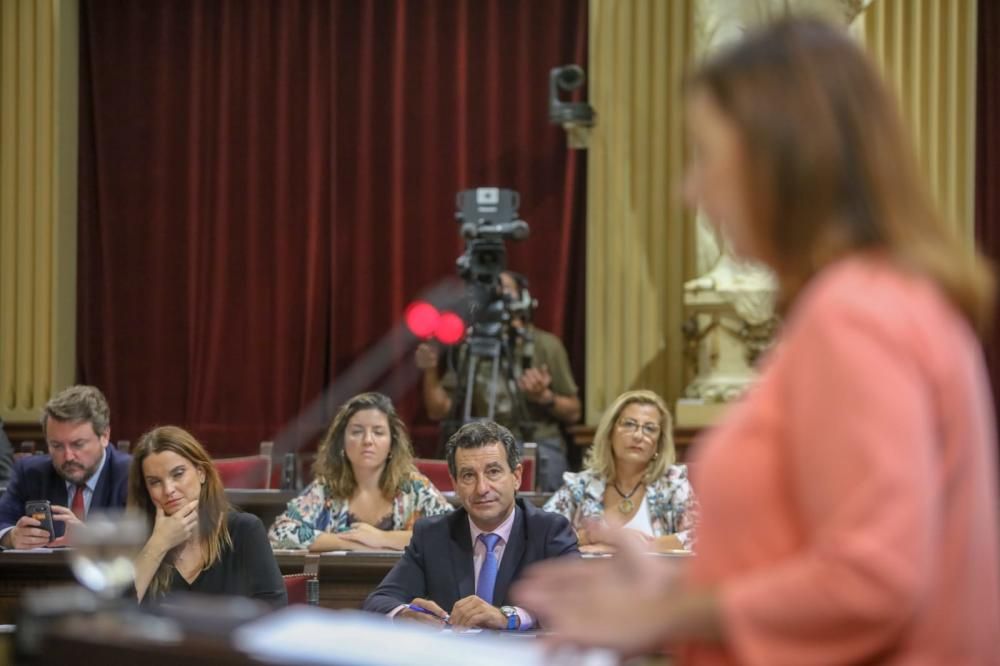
[(469, 612), (617, 603), (360, 537), (432, 614), (591, 542), (473, 611)]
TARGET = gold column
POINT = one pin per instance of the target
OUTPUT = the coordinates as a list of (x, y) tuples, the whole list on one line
[(927, 52), (38, 152), (640, 246)]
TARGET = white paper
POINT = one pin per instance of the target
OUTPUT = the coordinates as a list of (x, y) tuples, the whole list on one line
[(309, 635)]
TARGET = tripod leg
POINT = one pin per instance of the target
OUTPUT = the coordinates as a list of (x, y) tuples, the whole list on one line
[(470, 386), (494, 377)]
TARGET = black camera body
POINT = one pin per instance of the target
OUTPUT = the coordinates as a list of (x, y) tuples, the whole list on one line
[(488, 218), (568, 78)]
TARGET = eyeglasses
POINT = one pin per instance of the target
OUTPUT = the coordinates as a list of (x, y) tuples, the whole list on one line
[(630, 427)]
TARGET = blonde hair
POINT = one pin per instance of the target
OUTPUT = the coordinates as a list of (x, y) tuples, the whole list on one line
[(332, 465), (833, 171), (213, 532), (601, 458)]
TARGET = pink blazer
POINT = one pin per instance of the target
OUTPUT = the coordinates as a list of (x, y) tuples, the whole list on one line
[(849, 501)]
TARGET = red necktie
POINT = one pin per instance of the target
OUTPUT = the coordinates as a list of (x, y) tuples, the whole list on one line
[(78, 508)]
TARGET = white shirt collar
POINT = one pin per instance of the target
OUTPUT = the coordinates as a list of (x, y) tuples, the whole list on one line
[(503, 529)]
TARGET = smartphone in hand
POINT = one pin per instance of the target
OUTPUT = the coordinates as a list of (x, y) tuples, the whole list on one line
[(41, 510)]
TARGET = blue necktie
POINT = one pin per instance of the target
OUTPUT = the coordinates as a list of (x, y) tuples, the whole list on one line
[(488, 572)]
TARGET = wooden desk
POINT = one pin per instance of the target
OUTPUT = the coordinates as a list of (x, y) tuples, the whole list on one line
[(345, 579), (20, 571), (269, 504)]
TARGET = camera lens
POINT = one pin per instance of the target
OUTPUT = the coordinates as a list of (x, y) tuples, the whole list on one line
[(570, 77)]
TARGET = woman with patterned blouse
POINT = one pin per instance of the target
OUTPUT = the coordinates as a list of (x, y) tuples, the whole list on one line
[(630, 480), (367, 494)]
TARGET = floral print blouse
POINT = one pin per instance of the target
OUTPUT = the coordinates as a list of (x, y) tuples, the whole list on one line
[(316, 511), (672, 506)]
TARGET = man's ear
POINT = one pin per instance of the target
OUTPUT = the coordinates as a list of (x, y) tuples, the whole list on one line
[(517, 476)]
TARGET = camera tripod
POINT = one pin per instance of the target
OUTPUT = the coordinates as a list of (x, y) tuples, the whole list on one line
[(500, 351)]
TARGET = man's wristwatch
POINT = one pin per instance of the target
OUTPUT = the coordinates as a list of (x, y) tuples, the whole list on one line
[(513, 619)]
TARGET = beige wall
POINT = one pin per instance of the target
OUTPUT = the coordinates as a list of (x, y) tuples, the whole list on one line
[(641, 245), (38, 150), (927, 52), (639, 239)]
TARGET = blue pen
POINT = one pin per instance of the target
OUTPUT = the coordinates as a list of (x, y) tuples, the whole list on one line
[(421, 609)]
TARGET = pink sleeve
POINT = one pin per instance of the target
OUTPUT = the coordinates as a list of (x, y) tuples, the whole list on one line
[(858, 438)]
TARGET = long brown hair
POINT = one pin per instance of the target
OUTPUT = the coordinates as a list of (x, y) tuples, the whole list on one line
[(212, 503), (832, 170), (332, 465)]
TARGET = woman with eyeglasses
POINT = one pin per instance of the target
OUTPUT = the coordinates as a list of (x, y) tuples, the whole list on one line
[(630, 480)]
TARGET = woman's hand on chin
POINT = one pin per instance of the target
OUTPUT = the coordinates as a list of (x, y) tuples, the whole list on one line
[(178, 527)]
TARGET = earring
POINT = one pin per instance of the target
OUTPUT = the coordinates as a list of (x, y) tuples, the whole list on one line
[(656, 455)]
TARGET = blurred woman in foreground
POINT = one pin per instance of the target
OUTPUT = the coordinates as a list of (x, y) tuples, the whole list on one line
[(630, 480), (198, 542), (849, 502)]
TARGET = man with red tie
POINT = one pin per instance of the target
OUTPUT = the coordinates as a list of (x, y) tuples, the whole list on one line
[(81, 473), (459, 566)]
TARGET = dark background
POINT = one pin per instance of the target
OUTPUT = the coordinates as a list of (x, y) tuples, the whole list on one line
[(264, 186)]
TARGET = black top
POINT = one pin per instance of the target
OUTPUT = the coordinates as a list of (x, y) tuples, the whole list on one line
[(247, 569), (385, 523)]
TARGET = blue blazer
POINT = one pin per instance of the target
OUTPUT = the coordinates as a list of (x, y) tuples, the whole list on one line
[(437, 565), (34, 478)]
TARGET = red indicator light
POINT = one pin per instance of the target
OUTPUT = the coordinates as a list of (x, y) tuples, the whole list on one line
[(422, 319), (450, 328)]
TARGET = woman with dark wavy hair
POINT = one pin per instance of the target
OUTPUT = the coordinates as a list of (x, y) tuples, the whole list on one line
[(367, 493), (849, 500), (198, 542)]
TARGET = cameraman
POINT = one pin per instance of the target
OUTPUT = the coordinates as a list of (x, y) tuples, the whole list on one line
[(547, 385)]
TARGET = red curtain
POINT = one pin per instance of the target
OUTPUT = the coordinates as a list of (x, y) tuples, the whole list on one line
[(264, 186), (988, 161)]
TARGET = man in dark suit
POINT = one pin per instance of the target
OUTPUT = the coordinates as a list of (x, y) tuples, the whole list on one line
[(80, 474), (467, 560)]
